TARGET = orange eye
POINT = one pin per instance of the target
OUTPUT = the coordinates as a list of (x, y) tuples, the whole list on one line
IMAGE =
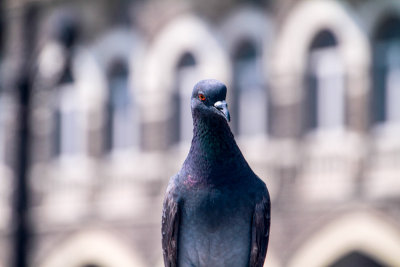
[(202, 97)]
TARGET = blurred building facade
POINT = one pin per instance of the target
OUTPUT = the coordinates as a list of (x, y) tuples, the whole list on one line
[(314, 92)]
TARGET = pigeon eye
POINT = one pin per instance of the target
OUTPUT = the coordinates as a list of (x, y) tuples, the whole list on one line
[(202, 97)]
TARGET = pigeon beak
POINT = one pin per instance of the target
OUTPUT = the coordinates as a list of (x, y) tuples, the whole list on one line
[(223, 107)]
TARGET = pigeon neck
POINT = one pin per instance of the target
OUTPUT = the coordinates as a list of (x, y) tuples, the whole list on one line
[(214, 152)]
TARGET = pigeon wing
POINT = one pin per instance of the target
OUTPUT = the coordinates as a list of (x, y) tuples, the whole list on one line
[(260, 232), (170, 229)]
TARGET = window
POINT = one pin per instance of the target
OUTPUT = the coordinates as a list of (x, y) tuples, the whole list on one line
[(325, 84), (57, 64), (186, 77), (250, 98), (120, 121), (3, 110), (68, 139), (2, 128), (386, 72)]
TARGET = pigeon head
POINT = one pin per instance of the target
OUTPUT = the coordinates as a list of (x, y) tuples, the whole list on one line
[(213, 152), (208, 100)]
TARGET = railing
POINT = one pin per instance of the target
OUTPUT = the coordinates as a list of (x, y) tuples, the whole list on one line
[(330, 168), (382, 177)]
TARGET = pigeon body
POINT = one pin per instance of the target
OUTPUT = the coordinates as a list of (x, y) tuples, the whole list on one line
[(216, 210)]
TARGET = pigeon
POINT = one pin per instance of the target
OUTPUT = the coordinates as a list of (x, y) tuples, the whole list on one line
[(216, 211)]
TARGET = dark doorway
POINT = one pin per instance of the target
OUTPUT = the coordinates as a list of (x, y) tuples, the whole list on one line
[(357, 259)]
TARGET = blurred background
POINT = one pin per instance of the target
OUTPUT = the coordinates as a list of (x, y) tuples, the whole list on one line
[(95, 118)]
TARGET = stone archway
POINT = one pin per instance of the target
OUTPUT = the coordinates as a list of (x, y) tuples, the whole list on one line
[(364, 232), (292, 46), (247, 36), (92, 247), (183, 34), (124, 44), (119, 54)]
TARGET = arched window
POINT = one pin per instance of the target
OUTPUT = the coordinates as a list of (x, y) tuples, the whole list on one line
[(250, 100), (68, 139), (186, 78), (2, 128), (386, 72), (120, 125), (58, 60), (325, 84), (3, 103), (356, 258)]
